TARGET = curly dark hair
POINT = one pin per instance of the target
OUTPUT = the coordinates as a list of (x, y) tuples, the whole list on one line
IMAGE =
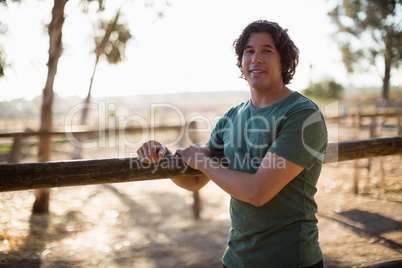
[(288, 51)]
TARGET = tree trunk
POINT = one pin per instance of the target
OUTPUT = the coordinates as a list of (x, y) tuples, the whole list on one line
[(76, 154), (41, 204), (387, 76), (100, 49), (388, 56)]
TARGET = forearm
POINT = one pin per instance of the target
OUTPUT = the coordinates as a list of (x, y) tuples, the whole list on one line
[(254, 188), (236, 183), (191, 183)]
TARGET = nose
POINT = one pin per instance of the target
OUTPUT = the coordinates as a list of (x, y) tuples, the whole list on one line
[(256, 58)]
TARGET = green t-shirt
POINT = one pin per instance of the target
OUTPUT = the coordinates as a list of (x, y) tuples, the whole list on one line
[(283, 232)]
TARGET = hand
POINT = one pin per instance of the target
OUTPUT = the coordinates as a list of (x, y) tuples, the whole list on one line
[(152, 151), (195, 155)]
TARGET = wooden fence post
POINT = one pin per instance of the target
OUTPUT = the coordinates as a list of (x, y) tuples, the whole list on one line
[(188, 139), (15, 154), (372, 134), (382, 171), (197, 202), (356, 125)]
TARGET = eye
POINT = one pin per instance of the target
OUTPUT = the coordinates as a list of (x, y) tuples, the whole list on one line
[(249, 51)]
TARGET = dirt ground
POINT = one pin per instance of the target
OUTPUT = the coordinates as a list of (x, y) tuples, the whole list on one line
[(150, 224)]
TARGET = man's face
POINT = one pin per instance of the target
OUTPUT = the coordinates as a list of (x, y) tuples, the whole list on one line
[(261, 62)]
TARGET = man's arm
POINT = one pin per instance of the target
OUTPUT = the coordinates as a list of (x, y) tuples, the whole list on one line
[(154, 151), (192, 183), (256, 189)]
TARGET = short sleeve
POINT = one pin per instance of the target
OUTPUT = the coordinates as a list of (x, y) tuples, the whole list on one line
[(301, 137), (215, 142)]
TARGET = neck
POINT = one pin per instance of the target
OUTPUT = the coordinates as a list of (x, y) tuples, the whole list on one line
[(261, 99)]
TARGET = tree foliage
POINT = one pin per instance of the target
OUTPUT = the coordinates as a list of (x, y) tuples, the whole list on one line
[(3, 31), (112, 42), (326, 89), (3, 63), (369, 30)]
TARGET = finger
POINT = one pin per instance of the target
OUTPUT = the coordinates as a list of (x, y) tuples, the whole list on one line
[(152, 151), (142, 154), (161, 152), (181, 153)]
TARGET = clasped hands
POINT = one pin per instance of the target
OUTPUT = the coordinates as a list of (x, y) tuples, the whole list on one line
[(153, 151)]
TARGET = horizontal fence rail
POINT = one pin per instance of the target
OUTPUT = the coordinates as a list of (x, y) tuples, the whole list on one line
[(15, 177), (358, 149), (76, 130)]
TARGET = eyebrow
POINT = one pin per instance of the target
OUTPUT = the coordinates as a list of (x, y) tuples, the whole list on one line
[(267, 45)]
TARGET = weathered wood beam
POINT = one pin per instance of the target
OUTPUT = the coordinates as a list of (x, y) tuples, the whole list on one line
[(358, 149), (15, 177), (25, 176)]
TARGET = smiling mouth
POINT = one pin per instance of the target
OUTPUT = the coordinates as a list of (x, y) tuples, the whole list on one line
[(257, 71)]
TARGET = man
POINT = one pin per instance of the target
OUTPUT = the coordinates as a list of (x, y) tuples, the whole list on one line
[(275, 144)]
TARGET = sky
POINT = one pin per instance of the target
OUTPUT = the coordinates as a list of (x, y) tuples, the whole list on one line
[(189, 49)]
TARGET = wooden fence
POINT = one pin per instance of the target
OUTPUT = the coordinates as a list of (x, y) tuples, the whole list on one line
[(374, 124), (17, 137), (26, 176), (79, 132), (33, 175)]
